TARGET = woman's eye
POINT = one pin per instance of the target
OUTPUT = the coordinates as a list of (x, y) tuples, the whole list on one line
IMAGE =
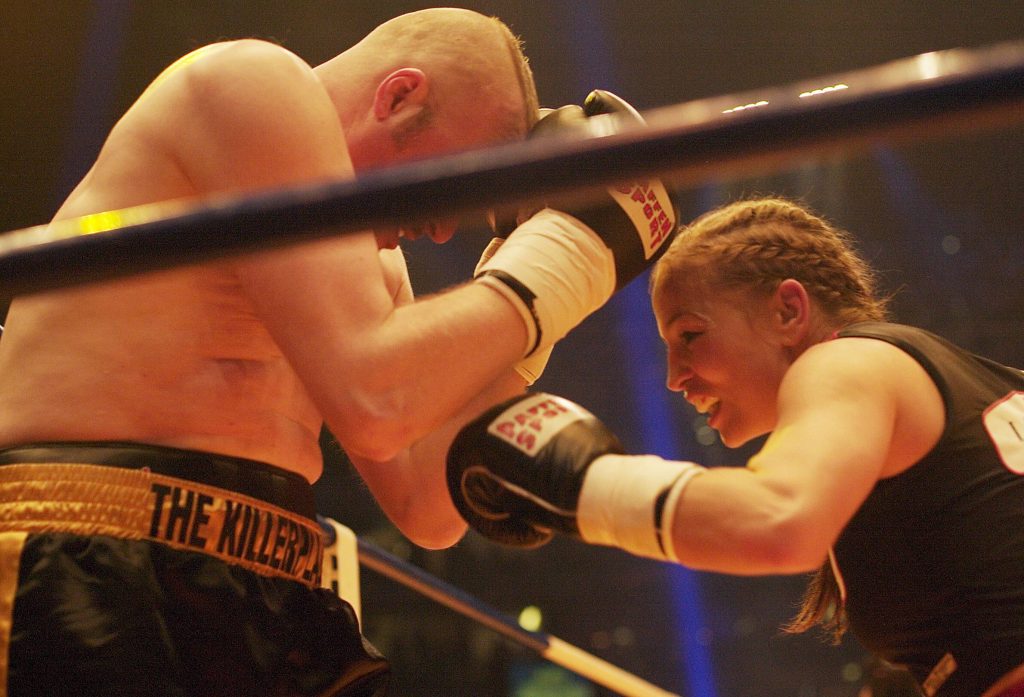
[(689, 336)]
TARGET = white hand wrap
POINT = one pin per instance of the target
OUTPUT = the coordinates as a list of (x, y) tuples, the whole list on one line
[(531, 367), (553, 269), (630, 502)]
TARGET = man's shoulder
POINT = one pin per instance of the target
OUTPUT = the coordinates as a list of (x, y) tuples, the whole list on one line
[(243, 62), (249, 102), (248, 51), (231, 68)]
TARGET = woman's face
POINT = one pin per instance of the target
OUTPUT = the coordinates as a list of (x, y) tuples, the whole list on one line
[(726, 355)]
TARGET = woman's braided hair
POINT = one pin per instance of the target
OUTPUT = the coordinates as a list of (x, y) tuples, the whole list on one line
[(759, 243)]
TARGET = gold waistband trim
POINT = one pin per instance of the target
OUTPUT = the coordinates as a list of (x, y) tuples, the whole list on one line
[(85, 499), (10, 559)]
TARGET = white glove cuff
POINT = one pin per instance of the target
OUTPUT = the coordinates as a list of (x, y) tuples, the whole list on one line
[(563, 269), (526, 311), (532, 367), (629, 501)]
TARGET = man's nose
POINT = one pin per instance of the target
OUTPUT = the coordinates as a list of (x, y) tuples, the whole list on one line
[(443, 230)]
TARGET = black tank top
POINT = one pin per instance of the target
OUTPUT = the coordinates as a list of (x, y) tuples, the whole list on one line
[(933, 561)]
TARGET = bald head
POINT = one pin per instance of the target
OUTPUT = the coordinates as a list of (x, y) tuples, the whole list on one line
[(475, 65)]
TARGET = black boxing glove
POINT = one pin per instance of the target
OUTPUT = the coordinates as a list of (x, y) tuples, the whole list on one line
[(503, 219), (646, 201), (566, 261), (645, 204), (539, 464)]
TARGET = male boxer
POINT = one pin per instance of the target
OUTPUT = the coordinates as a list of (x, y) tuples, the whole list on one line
[(160, 433)]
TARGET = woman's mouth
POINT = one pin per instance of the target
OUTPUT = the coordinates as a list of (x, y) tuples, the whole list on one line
[(703, 403)]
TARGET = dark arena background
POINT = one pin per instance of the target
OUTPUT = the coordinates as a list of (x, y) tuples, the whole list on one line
[(942, 218)]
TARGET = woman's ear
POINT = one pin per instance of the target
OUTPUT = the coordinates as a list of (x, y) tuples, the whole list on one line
[(791, 311), (401, 89)]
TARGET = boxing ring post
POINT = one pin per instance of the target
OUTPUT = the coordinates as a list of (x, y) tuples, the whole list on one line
[(945, 92)]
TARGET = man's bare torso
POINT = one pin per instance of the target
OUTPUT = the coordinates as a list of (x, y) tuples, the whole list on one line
[(175, 358)]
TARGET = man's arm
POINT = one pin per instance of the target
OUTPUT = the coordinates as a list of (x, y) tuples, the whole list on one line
[(380, 376), (410, 488)]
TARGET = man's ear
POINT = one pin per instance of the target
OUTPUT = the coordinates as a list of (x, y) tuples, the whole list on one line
[(401, 89), (792, 311)]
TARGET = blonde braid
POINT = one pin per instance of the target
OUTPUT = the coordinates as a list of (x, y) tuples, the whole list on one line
[(761, 242)]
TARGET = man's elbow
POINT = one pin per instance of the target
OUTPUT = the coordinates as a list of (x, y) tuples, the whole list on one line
[(430, 529), (378, 441), (373, 428), (438, 538)]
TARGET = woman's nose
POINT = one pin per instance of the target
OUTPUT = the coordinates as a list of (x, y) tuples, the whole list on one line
[(677, 373)]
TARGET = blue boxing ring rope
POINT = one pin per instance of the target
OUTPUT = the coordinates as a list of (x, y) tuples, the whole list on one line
[(940, 92)]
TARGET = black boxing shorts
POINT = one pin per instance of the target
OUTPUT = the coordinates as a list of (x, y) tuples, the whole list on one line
[(131, 570)]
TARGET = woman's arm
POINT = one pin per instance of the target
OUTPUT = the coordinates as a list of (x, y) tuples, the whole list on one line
[(850, 412)]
